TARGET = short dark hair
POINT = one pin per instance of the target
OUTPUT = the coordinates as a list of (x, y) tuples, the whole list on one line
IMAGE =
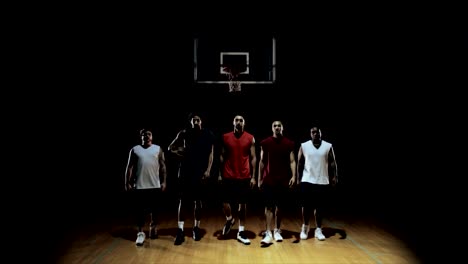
[(144, 130), (192, 115)]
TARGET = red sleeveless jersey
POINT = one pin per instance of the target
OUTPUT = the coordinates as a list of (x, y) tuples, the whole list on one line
[(237, 155)]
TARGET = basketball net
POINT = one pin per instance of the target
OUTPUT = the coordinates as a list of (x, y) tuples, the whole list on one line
[(234, 83)]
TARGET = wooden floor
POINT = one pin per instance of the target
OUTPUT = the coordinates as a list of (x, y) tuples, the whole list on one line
[(350, 239)]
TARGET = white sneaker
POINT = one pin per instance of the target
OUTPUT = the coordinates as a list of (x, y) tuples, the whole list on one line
[(304, 232), (318, 234), (140, 239), (242, 238), (267, 239), (277, 235)]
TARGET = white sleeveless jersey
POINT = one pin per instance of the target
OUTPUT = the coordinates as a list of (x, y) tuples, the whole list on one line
[(147, 168), (316, 162)]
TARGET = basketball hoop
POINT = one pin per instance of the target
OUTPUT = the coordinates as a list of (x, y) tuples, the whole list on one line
[(233, 81)]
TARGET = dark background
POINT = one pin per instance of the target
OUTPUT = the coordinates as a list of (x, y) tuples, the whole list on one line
[(365, 77)]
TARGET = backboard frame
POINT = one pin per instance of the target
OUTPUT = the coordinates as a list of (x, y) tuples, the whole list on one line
[(270, 71)]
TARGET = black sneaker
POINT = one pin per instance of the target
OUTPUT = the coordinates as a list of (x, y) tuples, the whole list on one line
[(153, 233), (227, 227), (196, 233), (179, 237), (242, 238)]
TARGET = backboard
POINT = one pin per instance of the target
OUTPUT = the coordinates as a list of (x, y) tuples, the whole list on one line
[(253, 57)]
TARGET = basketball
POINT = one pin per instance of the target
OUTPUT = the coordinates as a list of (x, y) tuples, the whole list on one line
[(179, 152)]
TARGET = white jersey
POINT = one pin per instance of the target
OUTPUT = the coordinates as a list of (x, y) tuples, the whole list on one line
[(147, 168), (316, 162)]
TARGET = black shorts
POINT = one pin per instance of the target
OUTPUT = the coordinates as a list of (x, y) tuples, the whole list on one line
[(275, 195), (147, 199), (191, 190), (236, 191), (314, 195)]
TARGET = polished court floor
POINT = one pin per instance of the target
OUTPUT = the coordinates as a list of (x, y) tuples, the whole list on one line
[(351, 237)]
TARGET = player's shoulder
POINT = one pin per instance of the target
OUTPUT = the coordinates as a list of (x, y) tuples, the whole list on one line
[(266, 140), (289, 140)]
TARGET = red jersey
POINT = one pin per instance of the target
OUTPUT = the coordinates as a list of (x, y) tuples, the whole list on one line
[(237, 155), (276, 159)]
